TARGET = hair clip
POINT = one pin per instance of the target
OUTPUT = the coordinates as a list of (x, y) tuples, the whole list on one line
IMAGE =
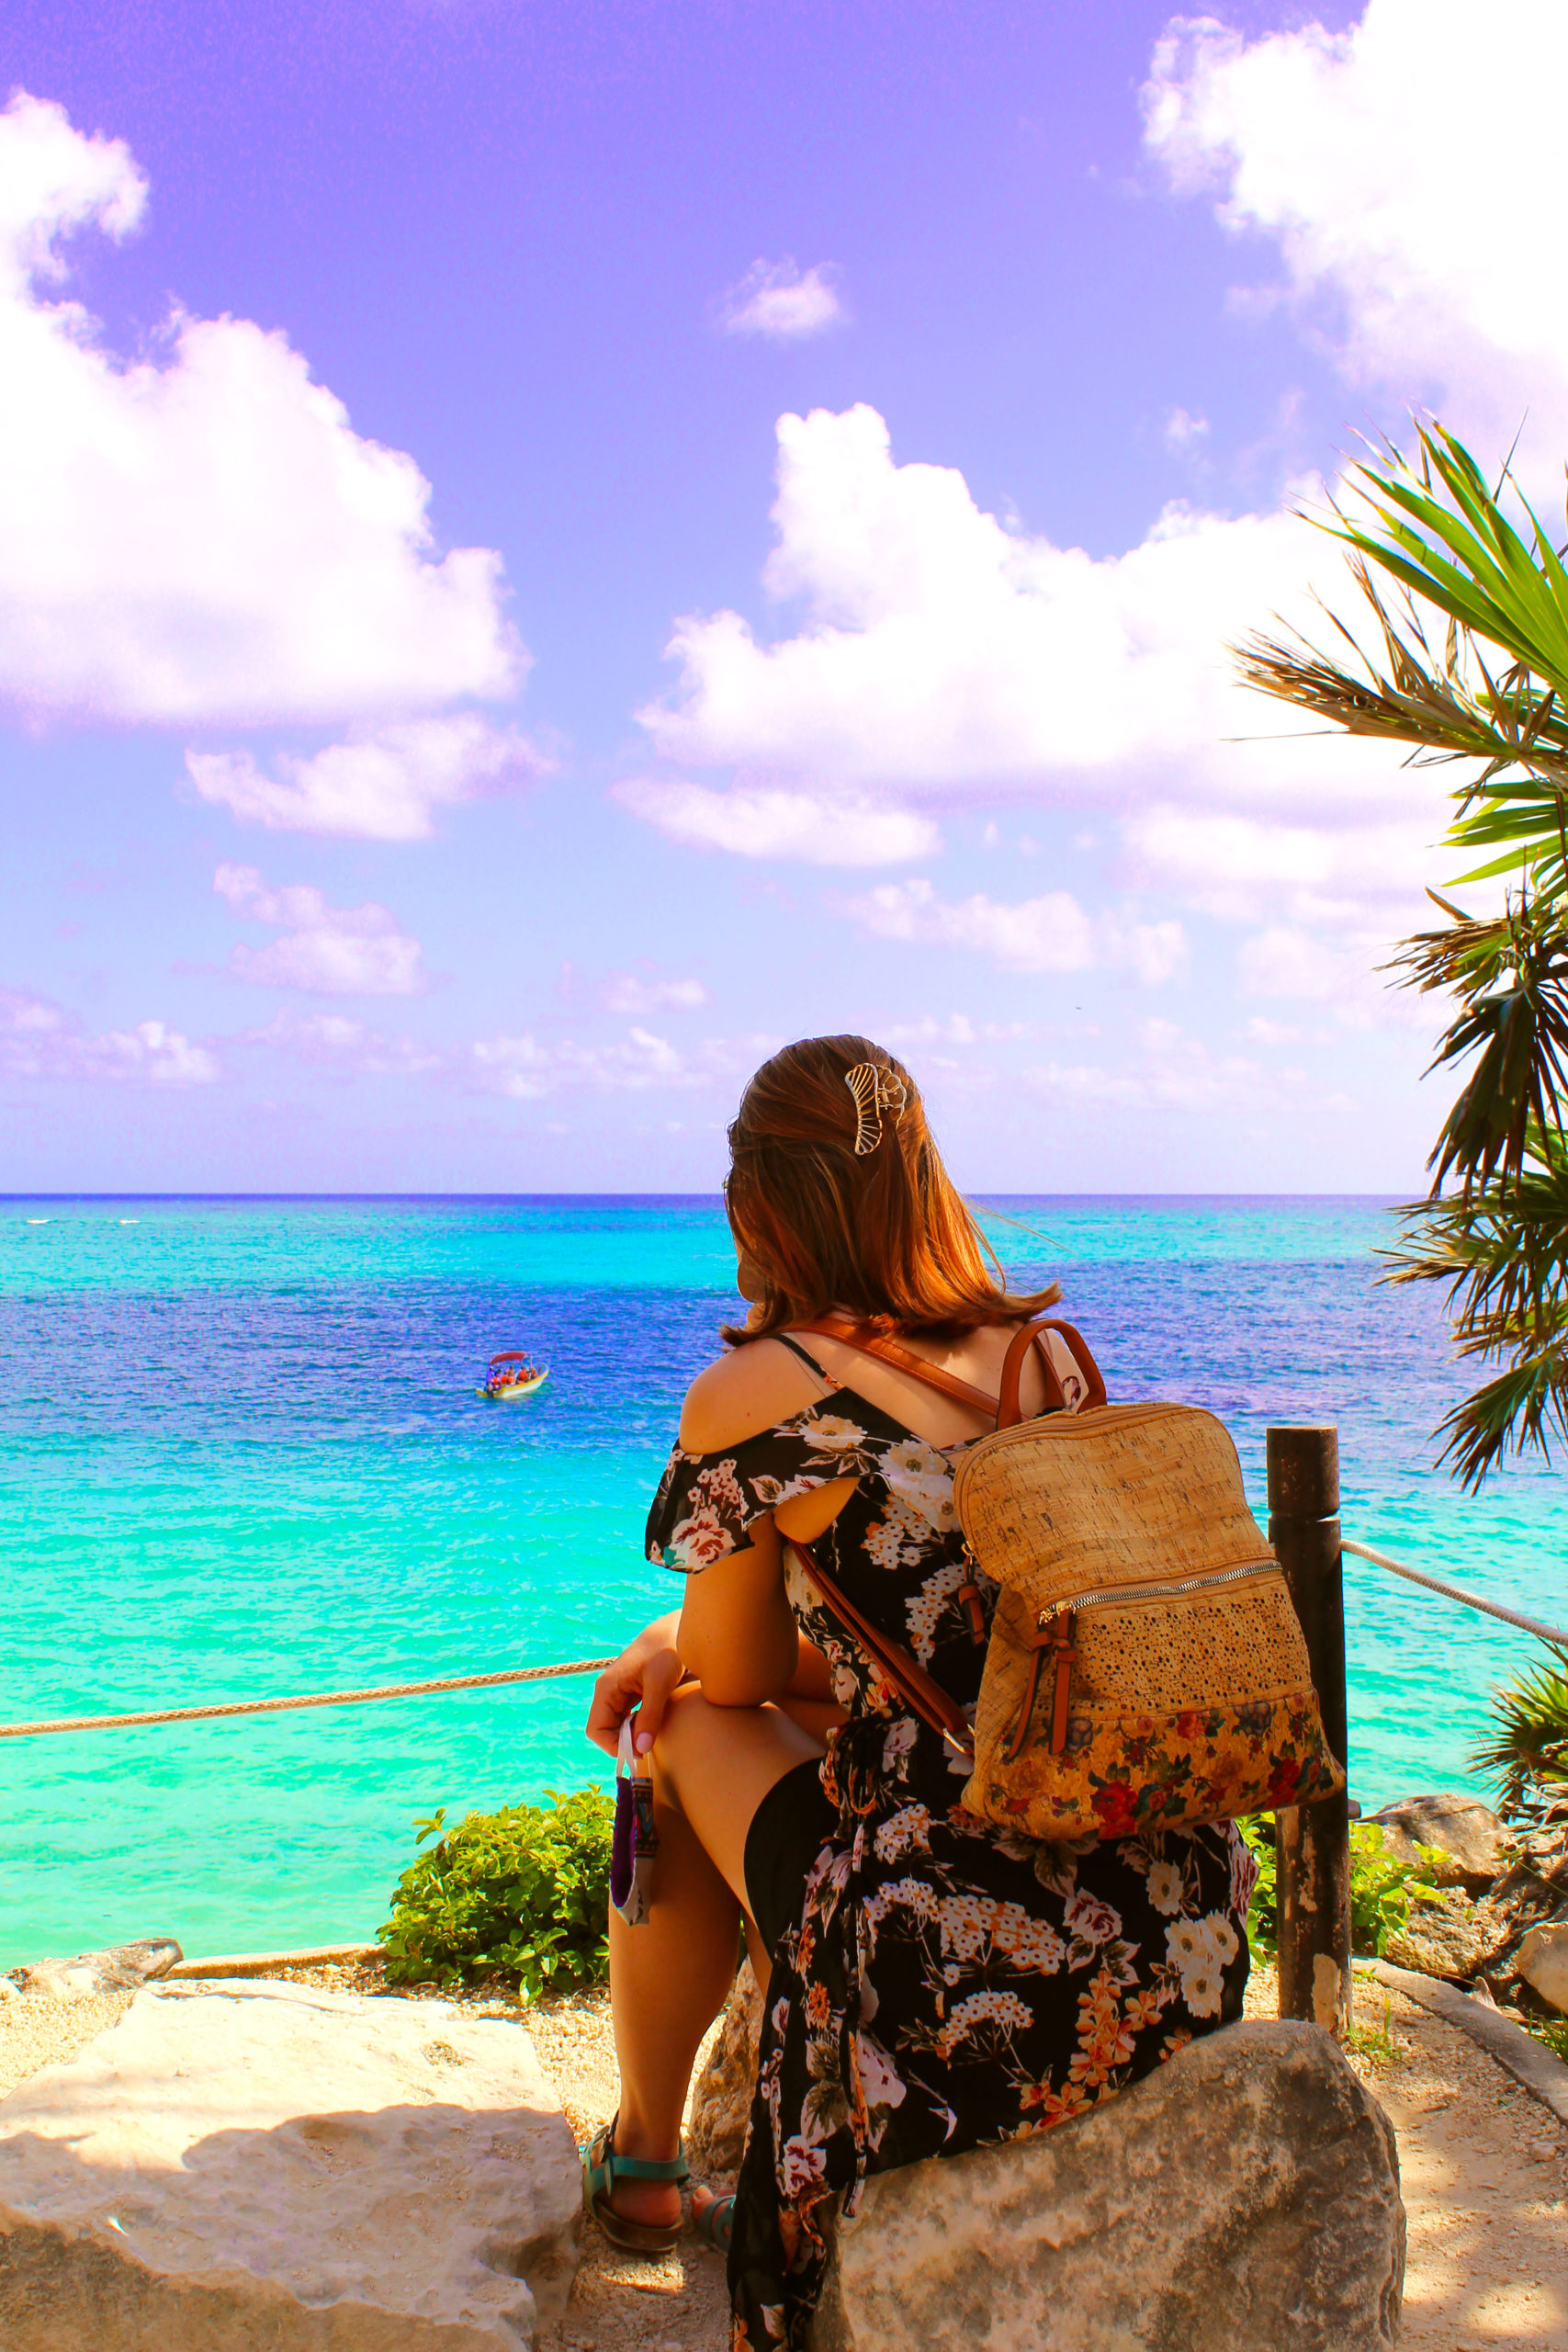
[(876, 1092)]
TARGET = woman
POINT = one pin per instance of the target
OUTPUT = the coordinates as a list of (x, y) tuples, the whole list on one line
[(936, 1984)]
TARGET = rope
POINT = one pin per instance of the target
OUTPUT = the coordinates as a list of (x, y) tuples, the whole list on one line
[(316, 1699), (1553, 1633)]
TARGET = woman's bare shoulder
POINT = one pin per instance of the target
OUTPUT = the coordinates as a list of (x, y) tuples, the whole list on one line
[(746, 1391)]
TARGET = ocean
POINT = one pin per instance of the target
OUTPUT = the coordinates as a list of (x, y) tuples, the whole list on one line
[(241, 1455)]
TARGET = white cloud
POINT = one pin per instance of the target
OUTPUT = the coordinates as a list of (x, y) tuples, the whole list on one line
[(638, 994), (38, 1039), (525, 1066), (957, 1029), (380, 783), (1183, 431), (337, 1041), (1175, 1071), (844, 829), (1052, 933), (1233, 866), (778, 300), (942, 655), (1429, 270), (201, 536), (1345, 977), (326, 951), (942, 652)]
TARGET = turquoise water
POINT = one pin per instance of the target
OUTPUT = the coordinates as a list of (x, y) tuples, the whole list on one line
[(240, 1454)]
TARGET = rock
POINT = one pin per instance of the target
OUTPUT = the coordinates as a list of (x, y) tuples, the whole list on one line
[(722, 2100), (1473, 1841), (8, 1992), (1447, 1935), (114, 1971), (1542, 1961), (1244, 2197), (270, 2166)]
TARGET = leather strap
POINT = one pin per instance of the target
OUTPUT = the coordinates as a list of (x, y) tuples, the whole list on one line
[(909, 1677), (1032, 1335), (876, 1343)]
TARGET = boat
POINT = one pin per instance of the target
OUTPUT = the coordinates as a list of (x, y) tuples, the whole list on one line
[(510, 1375)]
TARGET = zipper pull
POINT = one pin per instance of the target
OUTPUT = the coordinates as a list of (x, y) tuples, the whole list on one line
[(1063, 1652)]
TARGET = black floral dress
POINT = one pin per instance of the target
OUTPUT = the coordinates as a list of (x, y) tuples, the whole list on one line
[(949, 1985)]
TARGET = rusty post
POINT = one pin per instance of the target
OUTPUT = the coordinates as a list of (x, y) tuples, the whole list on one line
[(1313, 1841)]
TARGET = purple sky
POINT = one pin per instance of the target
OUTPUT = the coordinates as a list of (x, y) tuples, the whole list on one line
[(357, 842)]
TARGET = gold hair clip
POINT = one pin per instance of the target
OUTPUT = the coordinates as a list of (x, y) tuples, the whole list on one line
[(876, 1092)]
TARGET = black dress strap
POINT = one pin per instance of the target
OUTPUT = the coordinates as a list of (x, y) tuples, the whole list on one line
[(807, 1358)]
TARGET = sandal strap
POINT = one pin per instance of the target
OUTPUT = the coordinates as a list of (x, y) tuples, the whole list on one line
[(604, 2165), (646, 2167)]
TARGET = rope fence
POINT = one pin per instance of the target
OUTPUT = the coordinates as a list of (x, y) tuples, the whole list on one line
[(315, 1699), (1555, 1634)]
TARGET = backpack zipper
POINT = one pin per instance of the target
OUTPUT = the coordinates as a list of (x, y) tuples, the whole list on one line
[(1155, 1592), (1056, 1627)]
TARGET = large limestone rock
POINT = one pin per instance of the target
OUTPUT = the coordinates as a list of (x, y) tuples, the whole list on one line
[(271, 2168), (722, 2099), (88, 1974), (1543, 1962), (1473, 1841), (1447, 1935), (1244, 2199)]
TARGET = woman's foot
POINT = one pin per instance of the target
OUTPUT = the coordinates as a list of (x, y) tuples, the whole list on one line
[(713, 2217), (635, 2198)]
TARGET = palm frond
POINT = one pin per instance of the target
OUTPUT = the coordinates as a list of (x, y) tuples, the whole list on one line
[(1460, 556), (1511, 977), (1529, 1741), (1503, 1252)]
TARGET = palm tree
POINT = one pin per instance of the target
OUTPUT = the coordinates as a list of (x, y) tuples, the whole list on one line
[(1494, 701)]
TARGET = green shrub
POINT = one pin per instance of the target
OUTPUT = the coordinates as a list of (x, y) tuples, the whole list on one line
[(524, 1894), (1383, 1888), (1263, 1920)]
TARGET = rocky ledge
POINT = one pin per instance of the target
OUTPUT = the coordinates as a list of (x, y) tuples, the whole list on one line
[(261, 2163)]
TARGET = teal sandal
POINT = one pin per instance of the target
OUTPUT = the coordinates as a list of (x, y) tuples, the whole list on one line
[(601, 2167), (715, 2224)]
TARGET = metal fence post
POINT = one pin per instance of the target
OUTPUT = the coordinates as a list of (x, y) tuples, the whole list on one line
[(1313, 1841)]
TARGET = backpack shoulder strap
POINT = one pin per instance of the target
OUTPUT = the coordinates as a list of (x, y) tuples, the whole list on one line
[(1072, 1376), (876, 1343)]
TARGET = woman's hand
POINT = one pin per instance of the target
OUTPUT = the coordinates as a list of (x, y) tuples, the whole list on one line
[(644, 1677)]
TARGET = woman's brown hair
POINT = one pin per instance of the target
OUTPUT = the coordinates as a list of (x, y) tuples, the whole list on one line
[(879, 1230)]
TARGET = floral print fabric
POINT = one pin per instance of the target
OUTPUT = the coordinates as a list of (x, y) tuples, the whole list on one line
[(950, 1985)]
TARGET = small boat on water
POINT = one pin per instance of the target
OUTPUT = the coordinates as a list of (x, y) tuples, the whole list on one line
[(510, 1375)]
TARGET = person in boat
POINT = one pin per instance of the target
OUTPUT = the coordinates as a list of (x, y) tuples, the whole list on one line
[(932, 1983)]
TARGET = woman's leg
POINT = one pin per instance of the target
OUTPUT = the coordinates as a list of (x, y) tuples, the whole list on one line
[(712, 1767)]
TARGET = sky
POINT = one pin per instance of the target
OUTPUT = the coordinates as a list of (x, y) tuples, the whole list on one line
[(546, 550)]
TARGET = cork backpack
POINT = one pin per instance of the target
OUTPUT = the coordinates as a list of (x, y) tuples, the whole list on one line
[(1145, 1668)]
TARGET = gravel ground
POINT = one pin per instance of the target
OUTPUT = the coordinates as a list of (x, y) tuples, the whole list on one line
[(1484, 2167)]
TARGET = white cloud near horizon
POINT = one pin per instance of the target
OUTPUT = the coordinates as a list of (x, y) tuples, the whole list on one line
[(1354, 153), (778, 300), (380, 783), (323, 950), (40, 1040), (1050, 934), (757, 820), (639, 994), (200, 536), (337, 1040), (525, 1068)]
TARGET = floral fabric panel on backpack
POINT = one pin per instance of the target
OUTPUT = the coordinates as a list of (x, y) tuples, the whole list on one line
[(950, 1985)]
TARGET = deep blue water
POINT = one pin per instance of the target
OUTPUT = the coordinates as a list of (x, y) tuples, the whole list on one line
[(240, 1454)]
